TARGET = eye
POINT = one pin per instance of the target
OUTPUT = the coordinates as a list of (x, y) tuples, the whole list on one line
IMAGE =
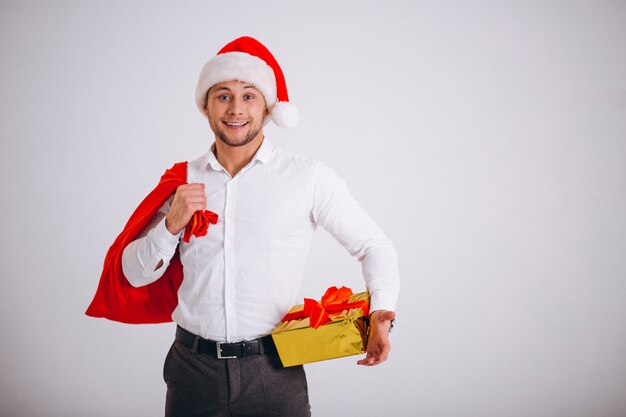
[(248, 97), (223, 97)]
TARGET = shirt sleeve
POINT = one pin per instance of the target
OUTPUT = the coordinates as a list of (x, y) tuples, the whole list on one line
[(340, 214), (153, 245)]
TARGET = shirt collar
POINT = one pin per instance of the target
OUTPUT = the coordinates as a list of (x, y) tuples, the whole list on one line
[(263, 154)]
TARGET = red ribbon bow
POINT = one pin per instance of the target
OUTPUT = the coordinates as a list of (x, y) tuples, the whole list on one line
[(333, 301), (199, 224)]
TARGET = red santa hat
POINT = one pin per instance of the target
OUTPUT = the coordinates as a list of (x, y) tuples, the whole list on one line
[(246, 59)]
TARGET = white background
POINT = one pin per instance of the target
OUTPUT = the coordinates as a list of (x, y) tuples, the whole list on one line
[(486, 138)]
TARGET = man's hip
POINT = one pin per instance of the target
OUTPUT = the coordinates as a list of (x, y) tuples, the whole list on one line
[(207, 378)]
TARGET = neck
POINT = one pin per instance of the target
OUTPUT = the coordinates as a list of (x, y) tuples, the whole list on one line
[(234, 158)]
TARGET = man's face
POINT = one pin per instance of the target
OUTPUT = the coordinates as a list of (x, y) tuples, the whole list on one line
[(235, 111)]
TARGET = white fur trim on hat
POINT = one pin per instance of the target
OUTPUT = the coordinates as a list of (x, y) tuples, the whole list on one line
[(285, 114), (238, 66)]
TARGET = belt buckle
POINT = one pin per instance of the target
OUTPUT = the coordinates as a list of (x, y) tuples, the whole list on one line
[(219, 352)]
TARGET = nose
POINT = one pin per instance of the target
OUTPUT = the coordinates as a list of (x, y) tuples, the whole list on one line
[(236, 106)]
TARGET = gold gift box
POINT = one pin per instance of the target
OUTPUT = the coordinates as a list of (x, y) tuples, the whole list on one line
[(346, 334)]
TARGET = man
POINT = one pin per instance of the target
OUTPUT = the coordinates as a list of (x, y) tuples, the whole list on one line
[(244, 275)]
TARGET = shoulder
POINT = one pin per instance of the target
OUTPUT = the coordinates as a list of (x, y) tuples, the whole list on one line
[(182, 170), (284, 157), (289, 163), (197, 163), (177, 172), (319, 178), (316, 170), (197, 167)]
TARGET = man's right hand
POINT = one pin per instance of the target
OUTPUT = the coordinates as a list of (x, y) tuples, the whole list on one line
[(188, 199)]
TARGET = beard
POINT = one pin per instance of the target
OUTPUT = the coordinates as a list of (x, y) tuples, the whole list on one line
[(252, 133)]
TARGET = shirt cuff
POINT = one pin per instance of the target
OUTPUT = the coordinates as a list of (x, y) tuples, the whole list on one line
[(163, 239), (382, 300)]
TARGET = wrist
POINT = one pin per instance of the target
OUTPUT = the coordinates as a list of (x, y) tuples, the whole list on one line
[(385, 318), (174, 231)]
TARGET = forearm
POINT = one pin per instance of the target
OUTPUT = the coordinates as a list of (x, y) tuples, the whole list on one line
[(145, 259), (380, 271)]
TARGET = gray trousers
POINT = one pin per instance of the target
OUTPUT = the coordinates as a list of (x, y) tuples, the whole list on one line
[(255, 385)]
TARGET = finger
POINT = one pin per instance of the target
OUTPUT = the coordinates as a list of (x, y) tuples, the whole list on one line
[(376, 359), (366, 361), (191, 205), (376, 355), (379, 351), (195, 193), (191, 192), (188, 187), (371, 361), (193, 208), (195, 199), (382, 352), (194, 185)]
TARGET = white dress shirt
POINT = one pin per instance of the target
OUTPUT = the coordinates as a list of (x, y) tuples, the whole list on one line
[(245, 274)]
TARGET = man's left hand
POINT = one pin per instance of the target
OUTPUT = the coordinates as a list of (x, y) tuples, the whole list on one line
[(378, 345)]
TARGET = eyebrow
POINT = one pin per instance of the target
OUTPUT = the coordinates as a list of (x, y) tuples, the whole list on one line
[(228, 89)]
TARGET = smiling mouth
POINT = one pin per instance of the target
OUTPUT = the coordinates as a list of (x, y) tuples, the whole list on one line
[(233, 124)]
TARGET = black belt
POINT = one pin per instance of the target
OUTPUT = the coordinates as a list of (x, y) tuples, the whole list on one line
[(225, 350)]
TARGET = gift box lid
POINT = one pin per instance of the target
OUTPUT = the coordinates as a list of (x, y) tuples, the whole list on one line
[(344, 315)]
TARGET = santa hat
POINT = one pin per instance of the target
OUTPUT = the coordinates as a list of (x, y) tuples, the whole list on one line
[(246, 59)]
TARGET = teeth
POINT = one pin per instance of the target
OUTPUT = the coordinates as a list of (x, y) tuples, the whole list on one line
[(236, 124)]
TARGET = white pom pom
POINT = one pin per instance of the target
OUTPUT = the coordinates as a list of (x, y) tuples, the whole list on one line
[(285, 114)]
